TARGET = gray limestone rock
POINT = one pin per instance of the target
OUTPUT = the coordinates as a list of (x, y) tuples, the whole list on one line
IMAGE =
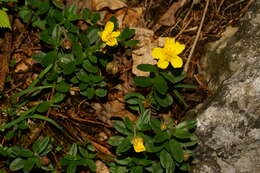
[(229, 122)]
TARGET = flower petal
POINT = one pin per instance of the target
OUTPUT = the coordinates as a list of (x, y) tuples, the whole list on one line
[(104, 36), (109, 27), (162, 64), (169, 44), (176, 62), (111, 41), (178, 48), (138, 144), (158, 53), (115, 34)]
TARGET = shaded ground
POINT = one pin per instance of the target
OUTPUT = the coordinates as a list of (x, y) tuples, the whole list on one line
[(91, 121)]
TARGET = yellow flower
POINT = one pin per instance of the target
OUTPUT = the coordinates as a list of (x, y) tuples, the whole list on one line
[(163, 126), (138, 144), (108, 36), (169, 54)]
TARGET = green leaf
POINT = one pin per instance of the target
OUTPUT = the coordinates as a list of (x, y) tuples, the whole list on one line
[(71, 13), (21, 118), (56, 35), (147, 68), (83, 152), (92, 34), (134, 94), (92, 59), (189, 144), (58, 97), (72, 29), (126, 161), (49, 58), (77, 52), (160, 85), (96, 79), (137, 169), (40, 24), (74, 80), (84, 40), (89, 67), (43, 8), (131, 43), (161, 137), (166, 159), (10, 134), (176, 150), (95, 17), (73, 150), (49, 167), (25, 14), (185, 167), (120, 127), (91, 164), (173, 79), (156, 125), (163, 101), (133, 101), (29, 164), (86, 154), (142, 123), (46, 151), (86, 14), (43, 107), (17, 164), (115, 140), (118, 169), (90, 93), (115, 21), (83, 86), (71, 168), (124, 146), (189, 124), (143, 81), (83, 76), (68, 68), (179, 96), (129, 124), (156, 168), (62, 87), (44, 118), (22, 152), (101, 92), (4, 20), (59, 4), (44, 36), (126, 34), (40, 145), (181, 133), (141, 161)]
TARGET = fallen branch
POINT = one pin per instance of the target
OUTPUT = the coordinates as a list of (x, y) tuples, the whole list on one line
[(197, 37)]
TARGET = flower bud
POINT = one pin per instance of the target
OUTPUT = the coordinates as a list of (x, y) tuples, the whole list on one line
[(112, 68)]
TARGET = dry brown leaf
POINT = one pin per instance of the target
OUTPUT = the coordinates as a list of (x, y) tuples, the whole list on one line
[(3, 71), (97, 5), (111, 4), (133, 17), (101, 167), (169, 19), (102, 149), (143, 54)]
